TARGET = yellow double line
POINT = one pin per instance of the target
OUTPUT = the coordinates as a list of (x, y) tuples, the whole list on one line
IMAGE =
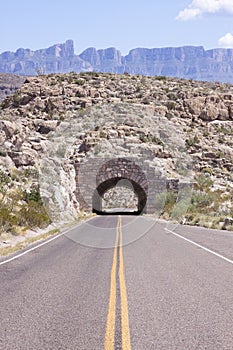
[(111, 320)]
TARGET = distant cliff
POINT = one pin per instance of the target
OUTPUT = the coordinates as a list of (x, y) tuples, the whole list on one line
[(189, 62), (59, 58)]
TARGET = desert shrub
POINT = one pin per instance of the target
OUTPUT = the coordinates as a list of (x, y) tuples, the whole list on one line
[(180, 209), (206, 133), (33, 214), (171, 105), (157, 140), (33, 195), (192, 141), (150, 138), (165, 201), (143, 138), (4, 182), (103, 134), (203, 182), (7, 219), (79, 82), (20, 208), (202, 200), (31, 172), (161, 77), (172, 96), (17, 98), (207, 170)]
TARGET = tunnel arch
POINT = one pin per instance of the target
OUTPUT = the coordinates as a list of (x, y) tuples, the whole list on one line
[(114, 171)]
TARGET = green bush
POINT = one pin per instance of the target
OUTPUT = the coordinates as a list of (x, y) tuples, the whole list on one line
[(7, 219), (33, 215), (33, 195), (79, 82), (4, 183), (202, 200), (20, 208), (165, 201), (171, 105), (203, 182), (192, 141), (161, 77), (17, 98)]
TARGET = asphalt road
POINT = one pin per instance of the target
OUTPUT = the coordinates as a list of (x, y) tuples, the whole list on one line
[(121, 283)]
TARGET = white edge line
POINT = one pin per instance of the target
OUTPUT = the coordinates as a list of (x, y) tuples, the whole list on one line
[(201, 246), (41, 244), (31, 249)]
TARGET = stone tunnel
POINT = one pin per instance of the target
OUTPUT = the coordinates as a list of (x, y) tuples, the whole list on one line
[(111, 173), (95, 176)]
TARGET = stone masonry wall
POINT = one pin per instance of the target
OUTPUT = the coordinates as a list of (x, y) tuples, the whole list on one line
[(93, 172)]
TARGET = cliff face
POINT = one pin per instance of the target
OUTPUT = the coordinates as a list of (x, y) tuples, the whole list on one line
[(108, 60), (189, 62), (59, 58), (185, 62)]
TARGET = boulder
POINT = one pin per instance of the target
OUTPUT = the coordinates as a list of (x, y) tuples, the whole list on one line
[(8, 127), (45, 126)]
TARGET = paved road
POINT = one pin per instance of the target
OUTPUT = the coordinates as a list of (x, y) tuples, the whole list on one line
[(121, 283)]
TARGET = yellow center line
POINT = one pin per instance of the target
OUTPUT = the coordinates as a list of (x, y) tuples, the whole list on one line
[(125, 331), (111, 318), (110, 327)]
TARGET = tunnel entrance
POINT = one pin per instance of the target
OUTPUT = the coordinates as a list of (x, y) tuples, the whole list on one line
[(133, 200), (120, 198), (121, 189)]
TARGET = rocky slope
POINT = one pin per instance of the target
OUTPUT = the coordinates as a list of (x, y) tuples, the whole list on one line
[(189, 62), (9, 84), (55, 121)]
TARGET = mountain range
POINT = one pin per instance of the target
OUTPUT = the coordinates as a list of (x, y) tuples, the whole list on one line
[(189, 62)]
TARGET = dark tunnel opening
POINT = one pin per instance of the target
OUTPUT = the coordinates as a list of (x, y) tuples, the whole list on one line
[(128, 184)]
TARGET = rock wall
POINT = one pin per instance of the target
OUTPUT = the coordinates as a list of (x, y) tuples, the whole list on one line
[(59, 58), (189, 62)]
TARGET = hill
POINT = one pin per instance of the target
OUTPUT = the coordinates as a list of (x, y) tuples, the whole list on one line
[(54, 123)]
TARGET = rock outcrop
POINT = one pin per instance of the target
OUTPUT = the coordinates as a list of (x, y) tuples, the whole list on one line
[(189, 62), (55, 122), (9, 84)]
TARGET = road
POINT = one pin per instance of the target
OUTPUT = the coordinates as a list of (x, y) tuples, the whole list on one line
[(121, 283)]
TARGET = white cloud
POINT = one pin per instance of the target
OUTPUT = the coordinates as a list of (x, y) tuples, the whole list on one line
[(201, 7), (187, 14), (226, 41)]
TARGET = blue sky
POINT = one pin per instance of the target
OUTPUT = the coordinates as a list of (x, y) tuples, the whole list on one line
[(124, 24)]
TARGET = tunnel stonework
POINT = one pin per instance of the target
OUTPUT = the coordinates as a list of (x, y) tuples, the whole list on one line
[(94, 176), (114, 170)]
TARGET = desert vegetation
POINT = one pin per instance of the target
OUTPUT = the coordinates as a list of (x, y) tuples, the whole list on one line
[(21, 206), (207, 207)]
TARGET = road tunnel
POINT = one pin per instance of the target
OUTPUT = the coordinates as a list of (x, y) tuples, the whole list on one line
[(125, 175)]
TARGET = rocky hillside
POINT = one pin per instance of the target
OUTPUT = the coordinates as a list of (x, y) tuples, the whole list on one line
[(189, 62), (56, 121), (9, 84)]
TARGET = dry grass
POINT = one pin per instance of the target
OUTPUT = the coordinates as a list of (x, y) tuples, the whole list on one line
[(4, 251)]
